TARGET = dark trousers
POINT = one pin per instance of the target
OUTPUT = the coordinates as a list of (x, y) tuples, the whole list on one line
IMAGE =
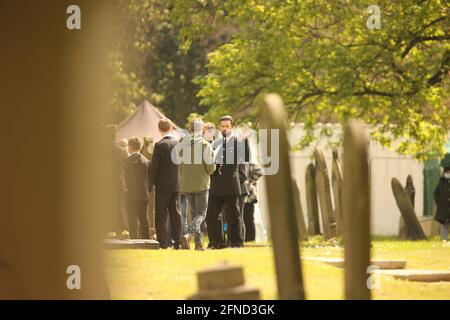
[(167, 204), (214, 223), (241, 211), (249, 221), (137, 214)]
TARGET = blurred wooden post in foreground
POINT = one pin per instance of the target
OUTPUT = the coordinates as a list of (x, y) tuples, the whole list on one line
[(311, 200), (281, 204), (52, 190), (324, 193), (356, 212)]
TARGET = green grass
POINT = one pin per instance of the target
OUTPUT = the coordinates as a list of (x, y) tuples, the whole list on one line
[(170, 274)]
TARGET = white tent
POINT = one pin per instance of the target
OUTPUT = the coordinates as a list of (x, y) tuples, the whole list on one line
[(143, 122)]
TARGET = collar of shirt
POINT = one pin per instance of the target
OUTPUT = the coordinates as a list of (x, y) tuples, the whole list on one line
[(169, 135)]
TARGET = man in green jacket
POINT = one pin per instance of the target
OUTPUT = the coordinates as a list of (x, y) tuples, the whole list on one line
[(196, 164)]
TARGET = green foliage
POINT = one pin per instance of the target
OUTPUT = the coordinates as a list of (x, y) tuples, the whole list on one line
[(328, 66), (149, 63), (191, 117)]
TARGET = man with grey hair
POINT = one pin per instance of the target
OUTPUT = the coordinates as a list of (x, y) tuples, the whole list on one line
[(195, 167)]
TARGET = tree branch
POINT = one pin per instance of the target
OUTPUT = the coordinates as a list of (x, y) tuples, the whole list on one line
[(417, 40)]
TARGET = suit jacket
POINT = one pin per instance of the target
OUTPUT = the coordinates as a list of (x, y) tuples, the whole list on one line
[(136, 174), (114, 162), (226, 181), (164, 172)]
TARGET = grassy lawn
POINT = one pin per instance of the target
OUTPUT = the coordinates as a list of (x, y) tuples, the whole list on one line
[(170, 274)]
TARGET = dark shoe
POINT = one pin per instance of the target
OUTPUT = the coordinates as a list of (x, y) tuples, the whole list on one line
[(211, 245), (221, 246), (199, 247), (237, 245), (176, 246), (186, 242)]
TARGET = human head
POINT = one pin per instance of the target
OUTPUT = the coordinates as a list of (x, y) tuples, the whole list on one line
[(165, 126), (226, 125), (123, 143), (196, 125), (447, 169), (134, 144), (111, 130), (209, 129)]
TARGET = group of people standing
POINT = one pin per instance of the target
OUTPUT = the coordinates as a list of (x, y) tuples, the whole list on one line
[(208, 170)]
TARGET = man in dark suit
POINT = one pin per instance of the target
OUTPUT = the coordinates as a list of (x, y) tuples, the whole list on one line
[(164, 175), (115, 157), (225, 188), (442, 199), (136, 173)]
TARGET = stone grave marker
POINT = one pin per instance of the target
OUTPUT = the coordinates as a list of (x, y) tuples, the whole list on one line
[(323, 191), (411, 193), (337, 185), (381, 263), (223, 282), (131, 244), (356, 212), (281, 203), (311, 200), (301, 226), (413, 229)]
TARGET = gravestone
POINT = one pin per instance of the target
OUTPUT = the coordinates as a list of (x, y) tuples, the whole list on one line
[(382, 264), (417, 275), (411, 193), (337, 184), (223, 282), (323, 191), (311, 200), (281, 203), (356, 212), (413, 229), (301, 226), (130, 244)]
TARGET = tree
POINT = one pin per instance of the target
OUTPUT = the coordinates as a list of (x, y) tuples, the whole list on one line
[(325, 62), (149, 62)]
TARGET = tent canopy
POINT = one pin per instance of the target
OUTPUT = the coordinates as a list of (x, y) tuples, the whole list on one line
[(143, 122)]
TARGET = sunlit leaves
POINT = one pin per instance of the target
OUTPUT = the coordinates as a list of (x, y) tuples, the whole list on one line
[(328, 66)]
